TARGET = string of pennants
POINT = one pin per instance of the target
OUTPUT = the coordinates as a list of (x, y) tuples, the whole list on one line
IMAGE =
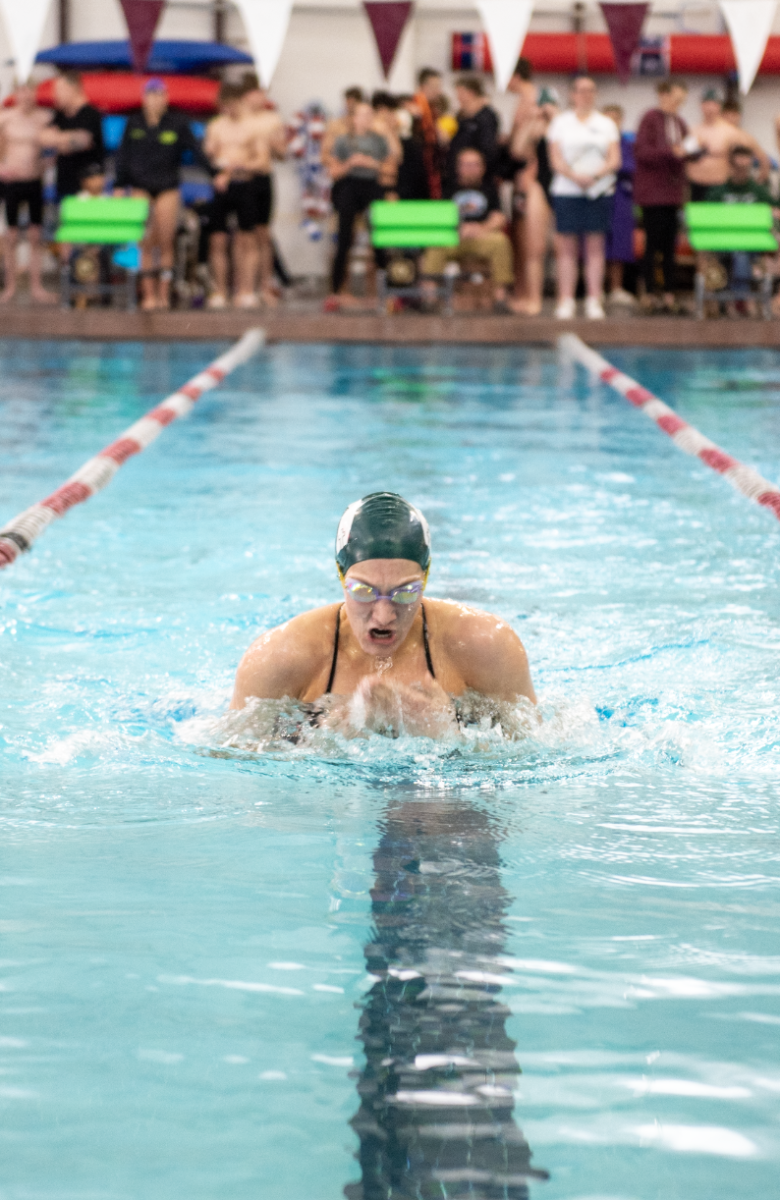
[(505, 23)]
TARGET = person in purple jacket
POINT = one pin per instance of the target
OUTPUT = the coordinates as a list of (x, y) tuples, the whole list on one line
[(661, 148), (619, 247)]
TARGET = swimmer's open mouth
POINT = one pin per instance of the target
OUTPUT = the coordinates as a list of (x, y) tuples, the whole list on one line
[(381, 635)]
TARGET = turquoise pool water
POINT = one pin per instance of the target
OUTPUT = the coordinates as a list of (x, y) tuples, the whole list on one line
[(395, 968)]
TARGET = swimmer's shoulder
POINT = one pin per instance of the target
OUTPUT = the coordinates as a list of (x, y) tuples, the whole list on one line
[(284, 660), (482, 648)]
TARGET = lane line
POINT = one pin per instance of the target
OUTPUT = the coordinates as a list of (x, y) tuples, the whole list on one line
[(20, 533), (685, 436)]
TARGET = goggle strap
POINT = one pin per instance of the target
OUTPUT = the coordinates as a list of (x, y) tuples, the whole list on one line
[(342, 577)]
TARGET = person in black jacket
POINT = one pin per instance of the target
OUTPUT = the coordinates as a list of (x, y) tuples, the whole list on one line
[(149, 164), (478, 128), (75, 133)]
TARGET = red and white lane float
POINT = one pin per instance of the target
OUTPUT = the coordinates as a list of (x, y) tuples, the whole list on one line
[(20, 533), (688, 438)]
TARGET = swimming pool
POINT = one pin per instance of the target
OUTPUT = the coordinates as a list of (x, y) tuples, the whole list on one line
[(441, 968)]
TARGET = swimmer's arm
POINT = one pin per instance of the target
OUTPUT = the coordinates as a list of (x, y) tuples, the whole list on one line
[(492, 659), (278, 664)]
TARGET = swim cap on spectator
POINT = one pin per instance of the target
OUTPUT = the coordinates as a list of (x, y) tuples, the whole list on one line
[(382, 525)]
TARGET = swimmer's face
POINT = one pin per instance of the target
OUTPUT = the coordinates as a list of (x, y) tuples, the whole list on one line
[(382, 627)]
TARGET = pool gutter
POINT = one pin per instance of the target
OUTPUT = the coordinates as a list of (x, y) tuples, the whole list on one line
[(297, 325)]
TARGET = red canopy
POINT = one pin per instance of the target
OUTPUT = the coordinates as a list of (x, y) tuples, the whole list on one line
[(694, 54), (120, 91)]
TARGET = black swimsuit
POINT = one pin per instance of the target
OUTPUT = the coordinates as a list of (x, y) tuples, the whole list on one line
[(314, 710), (332, 675)]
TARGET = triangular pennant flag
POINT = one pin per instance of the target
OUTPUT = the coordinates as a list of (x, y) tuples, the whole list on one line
[(266, 24), (749, 24), (24, 25), (388, 20), (141, 17), (624, 22), (506, 24)]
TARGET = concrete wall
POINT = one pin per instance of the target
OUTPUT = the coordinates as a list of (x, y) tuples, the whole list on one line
[(330, 45)]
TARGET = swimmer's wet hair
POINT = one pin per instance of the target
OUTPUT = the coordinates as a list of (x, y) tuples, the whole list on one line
[(382, 525)]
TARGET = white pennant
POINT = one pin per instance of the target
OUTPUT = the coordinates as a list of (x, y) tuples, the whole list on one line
[(24, 22), (749, 23), (266, 24), (506, 24)]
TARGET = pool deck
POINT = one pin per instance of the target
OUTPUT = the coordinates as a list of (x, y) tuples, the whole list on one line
[(301, 322)]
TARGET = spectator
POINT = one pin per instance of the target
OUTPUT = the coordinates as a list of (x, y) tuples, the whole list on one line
[(75, 133), (355, 164), (532, 207), (585, 155), (270, 143), (93, 182), (482, 226), (20, 173), (477, 128), (235, 146), (521, 85), (513, 159), (741, 188), (732, 112), (339, 126), (413, 180), (148, 163), (385, 123), (619, 248), (428, 92), (715, 137), (662, 144), (446, 123)]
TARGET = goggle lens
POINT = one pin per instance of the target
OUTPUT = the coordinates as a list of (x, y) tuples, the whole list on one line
[(361, 592), (408, 593)]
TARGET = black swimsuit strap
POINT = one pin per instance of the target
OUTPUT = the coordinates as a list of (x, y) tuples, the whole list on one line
[(332, 675), (426, 645)]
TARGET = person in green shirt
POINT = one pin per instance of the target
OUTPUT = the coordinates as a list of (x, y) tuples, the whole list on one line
[(742, 188)]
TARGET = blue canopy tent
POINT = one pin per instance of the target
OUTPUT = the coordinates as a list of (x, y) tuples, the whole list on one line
[(166, 58)]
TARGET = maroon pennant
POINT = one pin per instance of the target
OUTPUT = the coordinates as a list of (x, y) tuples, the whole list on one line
[(141, 17), (388, 20), (624, 22)]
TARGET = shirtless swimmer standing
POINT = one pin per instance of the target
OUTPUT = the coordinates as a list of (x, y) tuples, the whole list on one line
[(385, 654)]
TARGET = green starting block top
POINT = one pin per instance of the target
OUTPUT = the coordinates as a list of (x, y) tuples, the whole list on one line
[(414, 223), (724, 228), (107, 220)]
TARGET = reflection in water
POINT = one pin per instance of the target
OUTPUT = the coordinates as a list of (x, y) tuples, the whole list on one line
[(436, 1104)]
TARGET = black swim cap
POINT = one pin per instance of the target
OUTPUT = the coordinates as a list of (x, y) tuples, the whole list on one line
[(382, 525)]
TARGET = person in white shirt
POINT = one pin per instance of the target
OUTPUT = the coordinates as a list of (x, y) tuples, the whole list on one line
[(585, 156)]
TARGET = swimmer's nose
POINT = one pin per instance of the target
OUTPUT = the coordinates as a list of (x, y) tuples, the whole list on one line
[(384, 612)]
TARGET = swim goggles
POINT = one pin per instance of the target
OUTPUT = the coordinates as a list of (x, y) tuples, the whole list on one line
[(364, 593)]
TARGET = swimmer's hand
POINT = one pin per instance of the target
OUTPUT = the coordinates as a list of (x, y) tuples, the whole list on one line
[(392, 709)]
